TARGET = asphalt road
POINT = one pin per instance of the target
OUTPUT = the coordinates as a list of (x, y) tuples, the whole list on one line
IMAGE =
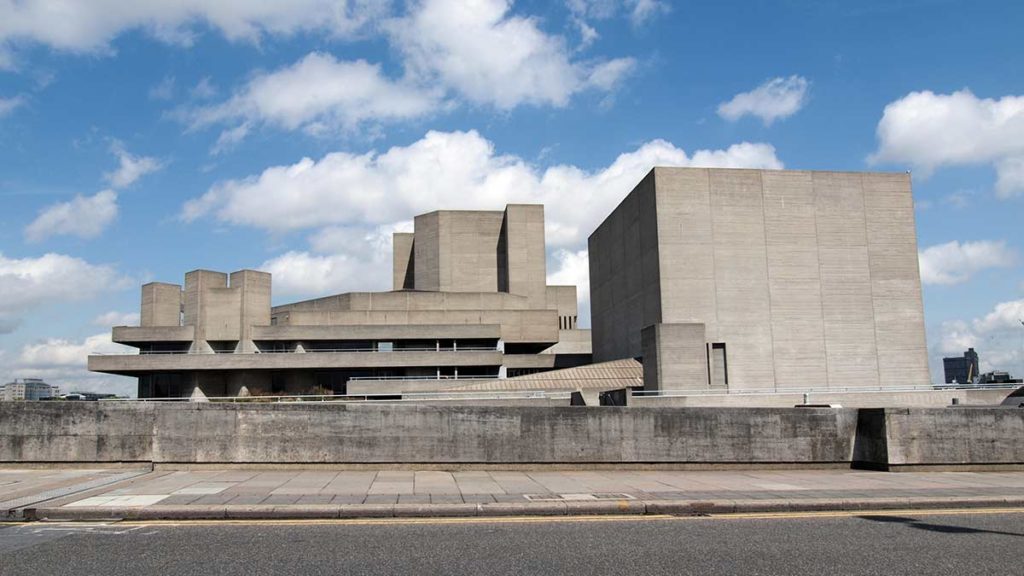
[(913, 543)]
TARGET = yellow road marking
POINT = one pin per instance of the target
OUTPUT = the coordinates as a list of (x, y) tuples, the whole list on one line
[(378, 521), (848, 513), (570, 519)]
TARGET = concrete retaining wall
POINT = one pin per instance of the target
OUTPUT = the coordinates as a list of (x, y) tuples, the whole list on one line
[(449, 435)]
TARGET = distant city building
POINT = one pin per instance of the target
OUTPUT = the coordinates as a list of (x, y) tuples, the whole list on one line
[(961, 369), (28, 389), (997, 377), (89, 396)]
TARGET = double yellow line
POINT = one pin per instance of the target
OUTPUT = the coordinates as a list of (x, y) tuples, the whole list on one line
[(572, 519)]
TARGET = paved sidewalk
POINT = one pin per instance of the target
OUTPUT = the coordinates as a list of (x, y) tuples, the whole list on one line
[(24, 487), (236, 493)]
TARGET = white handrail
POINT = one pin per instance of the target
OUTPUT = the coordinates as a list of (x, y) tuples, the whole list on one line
[(812, 390), (306, 351), (396, 397)]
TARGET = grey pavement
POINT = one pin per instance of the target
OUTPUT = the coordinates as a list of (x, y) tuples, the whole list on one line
[(341, 493)]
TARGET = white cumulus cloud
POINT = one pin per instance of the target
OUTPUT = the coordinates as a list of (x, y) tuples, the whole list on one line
[(317, 94), (492, 57), (642, 11), (447, 170), (62, 362), (8, 105), (929, 131), (572, 268), (83, 216), (299, 272), (775, 99), (639, 12), (90, 26), (955, 263), (115, 318), (342, 258), (50, 279), (130, 167), (55, 352), (89, 216)]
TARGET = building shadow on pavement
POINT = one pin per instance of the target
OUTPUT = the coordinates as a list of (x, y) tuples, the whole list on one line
[(943, 528)]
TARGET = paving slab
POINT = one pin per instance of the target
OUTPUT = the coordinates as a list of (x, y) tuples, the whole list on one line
[(385, 493), (21, 488)]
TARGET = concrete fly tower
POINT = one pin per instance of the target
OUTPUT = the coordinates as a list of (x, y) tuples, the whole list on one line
[(726, 279)]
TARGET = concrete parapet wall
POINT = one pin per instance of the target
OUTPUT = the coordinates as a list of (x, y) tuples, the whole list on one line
[(76, 432), (195, 433), (954, 437), (318, 433)]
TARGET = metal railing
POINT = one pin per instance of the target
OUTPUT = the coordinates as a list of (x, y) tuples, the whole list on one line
[(396, 349), (305, 351), (426, 377), (368, 398), (483, 395), (814, 390)]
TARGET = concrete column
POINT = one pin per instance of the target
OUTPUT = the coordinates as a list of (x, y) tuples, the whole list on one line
[(161, 304), (198, 283), (526, 266), (254, 288), (427, 254), (404, 275), (674, 357)]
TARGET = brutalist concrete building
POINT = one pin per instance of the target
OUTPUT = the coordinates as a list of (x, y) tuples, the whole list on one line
[(736, 280), (470, 300)]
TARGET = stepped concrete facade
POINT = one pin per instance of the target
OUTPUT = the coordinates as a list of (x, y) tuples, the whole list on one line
[(728, 280), (470, 299)]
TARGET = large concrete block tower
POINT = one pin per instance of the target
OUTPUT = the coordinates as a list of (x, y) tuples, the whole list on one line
[(728, 279)]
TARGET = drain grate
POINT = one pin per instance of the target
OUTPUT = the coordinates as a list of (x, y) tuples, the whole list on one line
[(578, 497)]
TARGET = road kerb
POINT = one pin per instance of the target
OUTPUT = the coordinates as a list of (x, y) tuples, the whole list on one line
[(435, 510), (504, 509), (366, 511), (522, 509), (621, 507)]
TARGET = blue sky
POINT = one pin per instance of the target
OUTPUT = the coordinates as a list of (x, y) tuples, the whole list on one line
[(139, 141)]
